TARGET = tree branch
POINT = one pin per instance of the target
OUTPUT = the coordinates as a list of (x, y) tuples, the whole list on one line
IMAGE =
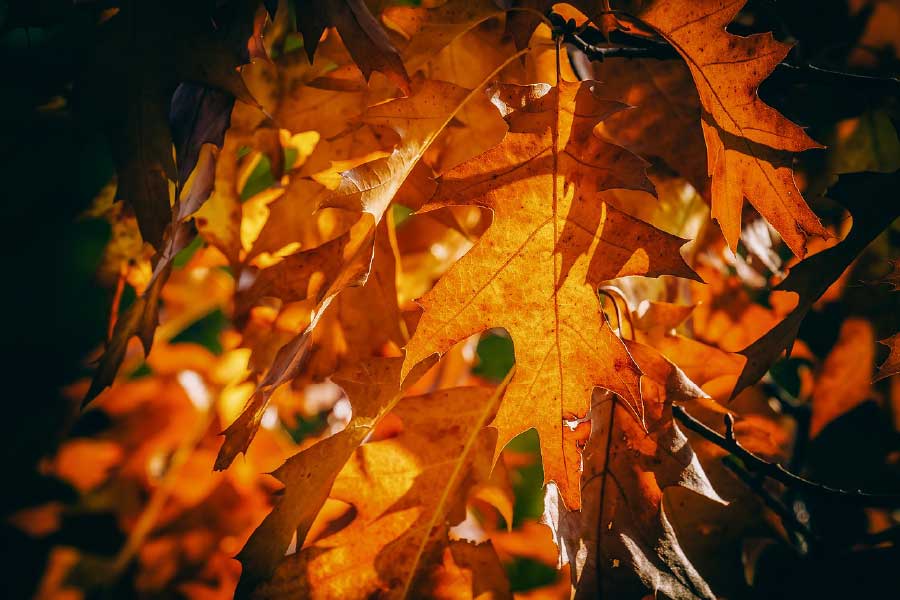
[(797, 531), (596, 47), (775, 471)]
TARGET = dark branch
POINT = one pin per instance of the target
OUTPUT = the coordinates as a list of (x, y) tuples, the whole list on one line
[(809, 73), (777, 472), (595, 47), (656, 51), (798, 531)]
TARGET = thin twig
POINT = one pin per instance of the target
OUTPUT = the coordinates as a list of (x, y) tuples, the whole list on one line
[(587, 40), (798, 531), (814, 74), (658, 52), (775, 471)]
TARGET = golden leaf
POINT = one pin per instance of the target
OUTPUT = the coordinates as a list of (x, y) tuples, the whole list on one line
[(535, 270)]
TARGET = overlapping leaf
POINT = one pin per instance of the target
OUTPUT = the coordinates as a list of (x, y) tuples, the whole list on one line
[(748, 143), (405, 491), (308, 476), (322, 272), (427, 31), (664, 121), (535, 270), (142, 317), (860, 193), (360, 31), (621, 543)]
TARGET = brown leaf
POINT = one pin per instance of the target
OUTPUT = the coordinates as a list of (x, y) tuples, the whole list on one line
[(360, 31), (142, 317), (621, 542), (702, 363), (199, 115), (363, 321), (861, 194), (294, 91), (535, 269), (664, 122), (891, 365), (374, 389), (429, 30)]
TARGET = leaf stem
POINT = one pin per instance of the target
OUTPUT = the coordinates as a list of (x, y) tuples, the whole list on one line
[(613, 293)]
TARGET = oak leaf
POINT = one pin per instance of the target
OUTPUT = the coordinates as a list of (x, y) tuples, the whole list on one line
[(426, 31), (861, 194), (623, 523), (891, 365), (715, 370), (323, 272), (142, 317), (363, 321), (374, 389), (747, 142), (405, 492), (664, 121), (360, 31), (535, 269), (293, 90)]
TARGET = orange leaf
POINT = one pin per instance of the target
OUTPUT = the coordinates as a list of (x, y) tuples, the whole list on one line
[(535, 270), (747, 141)]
